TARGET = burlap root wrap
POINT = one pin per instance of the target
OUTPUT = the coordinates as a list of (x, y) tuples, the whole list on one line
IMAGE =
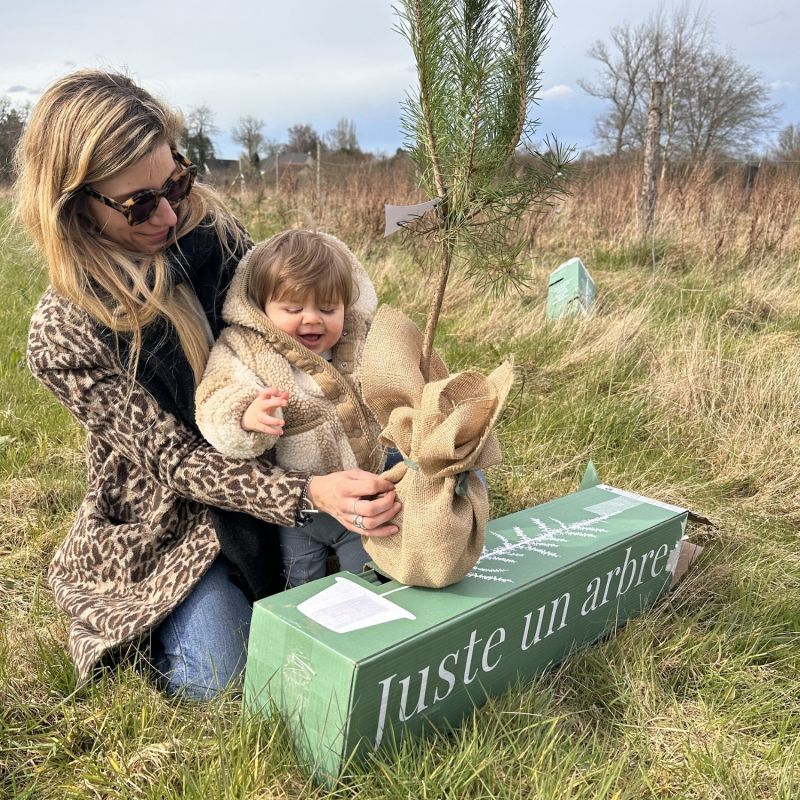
[(443, 428)]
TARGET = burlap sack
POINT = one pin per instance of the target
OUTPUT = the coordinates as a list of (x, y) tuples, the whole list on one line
[(443, 428)]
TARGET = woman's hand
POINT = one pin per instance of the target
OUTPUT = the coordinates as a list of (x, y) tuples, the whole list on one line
[(355, 496)]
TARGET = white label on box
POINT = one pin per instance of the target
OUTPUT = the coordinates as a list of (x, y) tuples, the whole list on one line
[(614, 506), (347, 606), (639, 498)]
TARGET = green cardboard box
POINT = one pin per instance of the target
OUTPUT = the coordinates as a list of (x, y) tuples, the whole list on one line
[(570, 290), (351, 662)]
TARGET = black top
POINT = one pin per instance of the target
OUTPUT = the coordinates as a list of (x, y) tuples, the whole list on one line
[(249, 544)]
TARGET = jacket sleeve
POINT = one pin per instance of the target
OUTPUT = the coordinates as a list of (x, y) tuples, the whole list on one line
[(67, 355), (227, 389)]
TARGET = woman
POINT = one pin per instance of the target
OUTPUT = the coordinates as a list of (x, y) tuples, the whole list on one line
[(170, 542)]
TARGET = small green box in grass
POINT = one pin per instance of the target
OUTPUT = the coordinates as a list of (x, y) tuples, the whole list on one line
[(570, 290), (351, 663)]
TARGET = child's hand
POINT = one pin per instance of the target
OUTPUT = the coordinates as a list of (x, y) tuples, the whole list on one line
[(263, 415)]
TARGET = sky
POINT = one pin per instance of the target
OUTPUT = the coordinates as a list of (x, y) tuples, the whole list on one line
[(316, 61)]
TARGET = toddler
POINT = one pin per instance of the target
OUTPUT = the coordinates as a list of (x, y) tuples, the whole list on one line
[(284, 375)]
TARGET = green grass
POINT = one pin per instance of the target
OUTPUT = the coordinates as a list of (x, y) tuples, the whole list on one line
[(683, 386)]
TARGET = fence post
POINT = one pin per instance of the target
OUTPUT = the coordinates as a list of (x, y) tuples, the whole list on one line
[(318, 168)]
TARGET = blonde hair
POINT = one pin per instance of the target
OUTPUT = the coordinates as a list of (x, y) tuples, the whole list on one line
[(88, 126), (297, 264)]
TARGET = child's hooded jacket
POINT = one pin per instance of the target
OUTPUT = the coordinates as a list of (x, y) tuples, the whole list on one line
[(328, 428)]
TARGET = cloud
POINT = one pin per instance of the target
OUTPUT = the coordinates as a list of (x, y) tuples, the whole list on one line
[(557, 92), (766, 20), (22, 93), (779, 85)]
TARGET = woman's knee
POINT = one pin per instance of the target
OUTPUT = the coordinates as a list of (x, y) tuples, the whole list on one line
[(201, 647)]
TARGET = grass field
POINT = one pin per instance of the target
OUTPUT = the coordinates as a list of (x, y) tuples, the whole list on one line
[(684, 386)]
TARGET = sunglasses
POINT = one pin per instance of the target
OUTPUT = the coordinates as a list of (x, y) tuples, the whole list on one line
[(139, 207)]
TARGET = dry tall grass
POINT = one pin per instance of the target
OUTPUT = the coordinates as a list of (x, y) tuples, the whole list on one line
[(705, 215)]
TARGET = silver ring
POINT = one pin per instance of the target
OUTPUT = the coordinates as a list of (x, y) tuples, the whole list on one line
[(353, 509), (358, 521)]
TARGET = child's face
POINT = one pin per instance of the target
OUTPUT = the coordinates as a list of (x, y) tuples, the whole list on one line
[(318, 326)]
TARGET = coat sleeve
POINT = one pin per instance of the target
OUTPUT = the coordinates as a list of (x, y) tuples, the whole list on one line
[(67, 355), (227, 389)]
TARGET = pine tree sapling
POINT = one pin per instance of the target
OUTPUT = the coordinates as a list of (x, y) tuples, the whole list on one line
[(478, 70), (477, 63)]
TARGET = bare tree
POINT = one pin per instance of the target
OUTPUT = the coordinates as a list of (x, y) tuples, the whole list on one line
[(272, 147), (302, 139), (12, 121), (674, 42), (248, 134), (621, 82), (342, 138), (724, 107), (197, 133), (787, 146), (712, 103)]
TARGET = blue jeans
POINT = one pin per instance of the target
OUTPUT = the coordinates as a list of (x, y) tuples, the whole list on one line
[(201, 647), (393, 456), (305, 550)]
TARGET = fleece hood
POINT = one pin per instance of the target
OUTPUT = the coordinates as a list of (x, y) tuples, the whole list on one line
[(239, 310)]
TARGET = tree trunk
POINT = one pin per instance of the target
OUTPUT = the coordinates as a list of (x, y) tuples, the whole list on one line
[(666, 154), (648, 192), (435, 308)]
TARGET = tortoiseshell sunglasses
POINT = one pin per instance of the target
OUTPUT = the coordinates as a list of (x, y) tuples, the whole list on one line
[(139, 207)]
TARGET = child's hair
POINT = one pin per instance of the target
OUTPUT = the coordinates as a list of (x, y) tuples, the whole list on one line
[(297, 264)]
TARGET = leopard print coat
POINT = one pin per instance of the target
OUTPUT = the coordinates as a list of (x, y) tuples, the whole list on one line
[(144, 533)]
